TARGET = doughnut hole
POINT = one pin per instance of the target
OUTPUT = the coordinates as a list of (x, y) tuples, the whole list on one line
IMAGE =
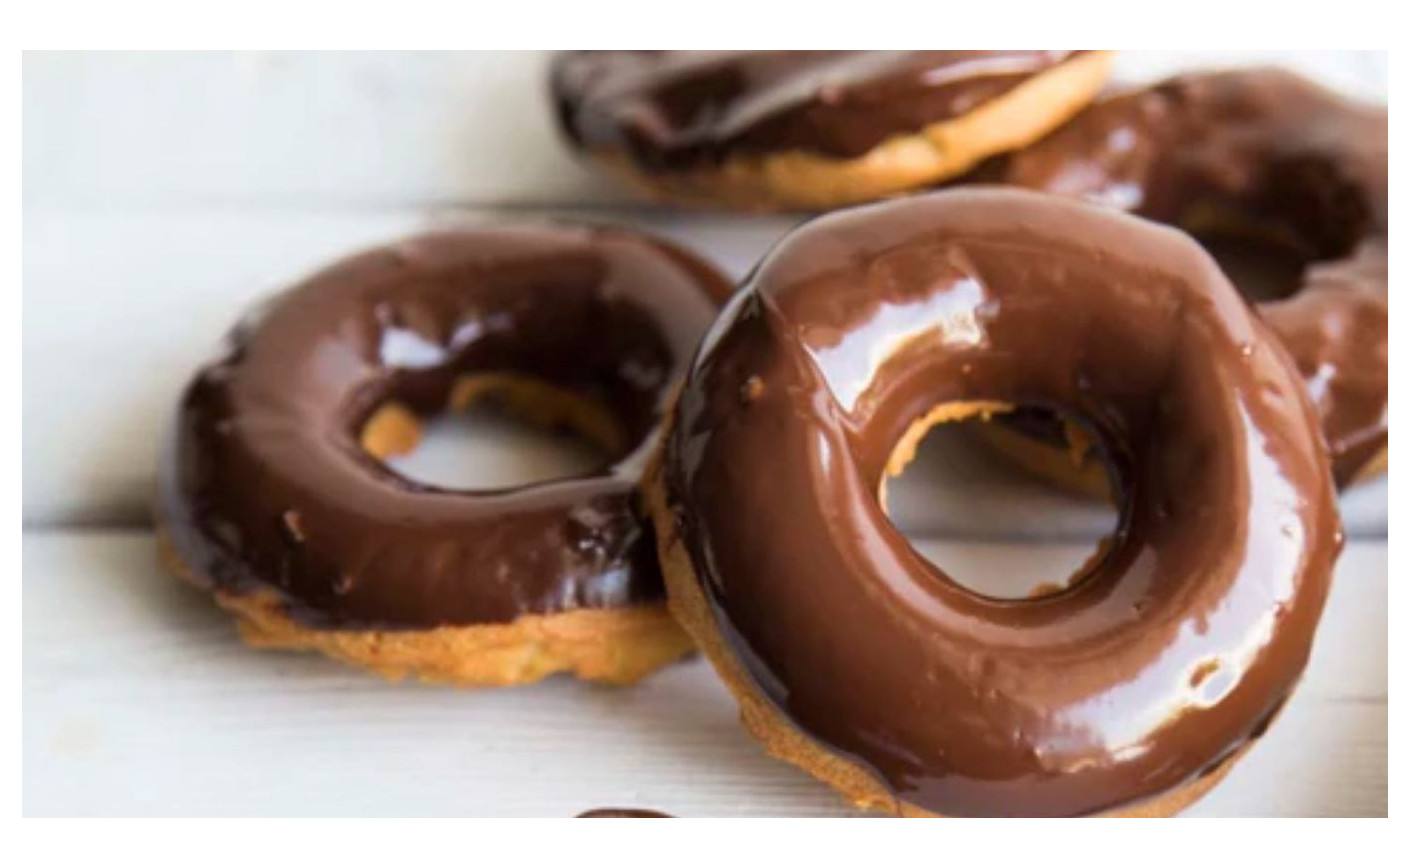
[(973, 490), (499, 431), (1262, 267)]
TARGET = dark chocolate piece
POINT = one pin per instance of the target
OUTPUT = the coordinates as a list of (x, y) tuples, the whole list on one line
[(622, 813)]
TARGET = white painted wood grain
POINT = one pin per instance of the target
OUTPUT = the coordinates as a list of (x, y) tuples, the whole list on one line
[(138, 699), (274, 129), (278, 130)]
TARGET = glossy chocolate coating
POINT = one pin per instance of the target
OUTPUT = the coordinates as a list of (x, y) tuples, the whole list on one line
[(1177, 643), (266, 486), (676, 109), (1264, 152), (622, 814)]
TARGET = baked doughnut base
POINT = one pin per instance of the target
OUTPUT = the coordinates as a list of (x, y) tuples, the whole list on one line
[(802, 180), (613, 646), (780, 738)]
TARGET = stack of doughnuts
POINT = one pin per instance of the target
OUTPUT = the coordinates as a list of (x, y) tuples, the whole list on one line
[(748, 432)]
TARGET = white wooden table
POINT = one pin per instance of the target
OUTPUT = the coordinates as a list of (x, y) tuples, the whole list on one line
[(162, 195)]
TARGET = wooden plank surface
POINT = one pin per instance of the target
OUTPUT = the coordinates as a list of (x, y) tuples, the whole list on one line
[(139, 699)]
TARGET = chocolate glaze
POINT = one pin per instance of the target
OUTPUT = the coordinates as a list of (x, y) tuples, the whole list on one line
[(674, 109), (265, 484), (1264, 152), (622, 813), (1177, 642)]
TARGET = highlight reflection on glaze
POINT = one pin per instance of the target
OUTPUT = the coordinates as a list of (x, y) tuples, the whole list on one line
[(949, 316)]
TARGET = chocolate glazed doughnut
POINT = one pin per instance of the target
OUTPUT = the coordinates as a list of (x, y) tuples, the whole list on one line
[(1266, 155), (1130, 692), (810, 129), (273, 495)]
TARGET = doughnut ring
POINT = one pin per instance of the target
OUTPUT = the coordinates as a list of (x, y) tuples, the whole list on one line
[(1266, 156), (769, 130), (272, 492), (1131, 691)]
